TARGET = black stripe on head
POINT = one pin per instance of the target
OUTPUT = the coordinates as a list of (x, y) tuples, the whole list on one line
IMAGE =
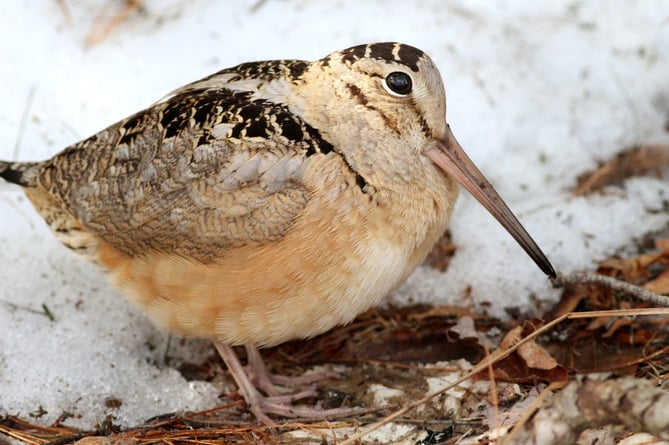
[(391, 51), (397, 52), (410, 56), (354, 54), (423, 125), (383, 51)]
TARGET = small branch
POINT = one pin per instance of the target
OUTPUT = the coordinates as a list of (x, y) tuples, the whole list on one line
[(100, 32), (67, 14), (612, 283), (48, 312), (595, 401)]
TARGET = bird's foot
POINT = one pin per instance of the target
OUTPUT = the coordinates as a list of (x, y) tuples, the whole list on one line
[(275, 402), (281, 405), (263, 379)]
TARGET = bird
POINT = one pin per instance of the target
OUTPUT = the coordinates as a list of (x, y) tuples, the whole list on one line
[(269, 201)]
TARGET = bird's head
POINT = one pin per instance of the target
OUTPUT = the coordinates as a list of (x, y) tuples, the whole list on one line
[(384, 104)]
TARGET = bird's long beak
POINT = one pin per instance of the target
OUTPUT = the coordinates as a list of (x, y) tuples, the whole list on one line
[(449, 155)]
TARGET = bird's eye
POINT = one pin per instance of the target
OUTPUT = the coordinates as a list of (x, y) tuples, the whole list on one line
[(398, 83)]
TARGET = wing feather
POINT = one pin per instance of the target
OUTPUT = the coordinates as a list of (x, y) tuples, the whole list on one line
[(197, 174)]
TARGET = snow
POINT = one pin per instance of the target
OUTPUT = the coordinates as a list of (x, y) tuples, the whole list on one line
[(538, 92)]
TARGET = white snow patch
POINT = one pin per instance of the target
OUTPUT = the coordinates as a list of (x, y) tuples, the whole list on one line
[(383, 394)]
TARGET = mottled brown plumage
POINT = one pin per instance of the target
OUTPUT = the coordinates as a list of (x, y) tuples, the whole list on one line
[(269, 201)]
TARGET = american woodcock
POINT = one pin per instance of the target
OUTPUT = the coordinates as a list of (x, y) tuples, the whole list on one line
[(270, 201)]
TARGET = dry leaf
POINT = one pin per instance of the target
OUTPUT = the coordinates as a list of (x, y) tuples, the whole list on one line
[(633, 269), (536, 357), (633, 161), (660, 284), (442, 252), (531, 362)]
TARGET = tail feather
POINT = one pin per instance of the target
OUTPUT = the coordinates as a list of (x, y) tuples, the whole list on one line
[(21, 173)]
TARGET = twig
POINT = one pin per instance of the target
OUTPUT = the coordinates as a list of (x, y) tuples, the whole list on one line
[(612, 283), (45, 310), (494, 399), (99, 32), (66, 12), (24, 121), (48, 312)]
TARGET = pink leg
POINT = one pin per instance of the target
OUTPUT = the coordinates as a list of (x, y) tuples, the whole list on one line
[(275, 404), (263, 379)]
